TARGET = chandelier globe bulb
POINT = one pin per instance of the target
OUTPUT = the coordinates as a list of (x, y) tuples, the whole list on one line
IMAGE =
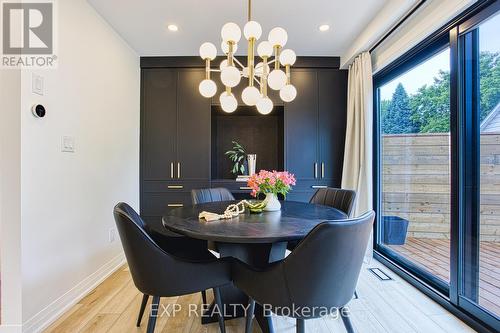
[(252, 29), (265, 105), (278, 36), (208, 51), (231, 32), (276, 79)]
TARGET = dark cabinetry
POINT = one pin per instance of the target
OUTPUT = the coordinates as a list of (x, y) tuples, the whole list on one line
[(176, 132), (158, 123), (315, 130), (175, 145)]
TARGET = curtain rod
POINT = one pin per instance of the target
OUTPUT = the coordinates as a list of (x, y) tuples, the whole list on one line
[(397, 25)]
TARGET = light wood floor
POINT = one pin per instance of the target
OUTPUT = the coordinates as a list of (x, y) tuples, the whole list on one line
[(383, 306)]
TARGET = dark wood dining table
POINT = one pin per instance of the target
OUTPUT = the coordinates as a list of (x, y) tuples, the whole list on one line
[(256, 239)]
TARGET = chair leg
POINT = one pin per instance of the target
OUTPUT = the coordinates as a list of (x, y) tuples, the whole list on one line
[(218, 302), (154, 313), (347, 321), (204, 297), (301, 326), (249, 319), (143, 307), (356, 295)]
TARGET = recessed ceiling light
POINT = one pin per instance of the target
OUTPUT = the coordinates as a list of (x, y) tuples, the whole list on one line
[(324, 27), (172, 27)]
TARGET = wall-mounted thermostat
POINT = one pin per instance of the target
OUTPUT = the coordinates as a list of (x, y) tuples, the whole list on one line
[(38, 110)]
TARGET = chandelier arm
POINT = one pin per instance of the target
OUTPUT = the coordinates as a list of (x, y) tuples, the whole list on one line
[(215, 70), (271, 62), (256, 80), (239, 63)]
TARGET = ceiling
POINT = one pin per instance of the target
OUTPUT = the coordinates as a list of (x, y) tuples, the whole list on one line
[(143, 23)]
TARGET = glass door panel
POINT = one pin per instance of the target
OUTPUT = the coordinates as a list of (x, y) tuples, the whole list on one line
[(481, 232), (414, 113)]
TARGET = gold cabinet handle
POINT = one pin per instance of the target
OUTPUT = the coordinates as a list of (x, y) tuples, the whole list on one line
[(175, 205), (322, 169), (245, 188), (171, 169), (178, 170), (315, 170), (175, 187)]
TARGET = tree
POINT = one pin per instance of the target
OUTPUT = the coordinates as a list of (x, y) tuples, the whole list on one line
[(489, 71), (398, 119), (431, 105)]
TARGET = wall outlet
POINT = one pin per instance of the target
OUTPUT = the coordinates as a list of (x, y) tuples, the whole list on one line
[(112, 235)]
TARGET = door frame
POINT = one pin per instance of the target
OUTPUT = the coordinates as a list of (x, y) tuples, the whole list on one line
[(447, 296)]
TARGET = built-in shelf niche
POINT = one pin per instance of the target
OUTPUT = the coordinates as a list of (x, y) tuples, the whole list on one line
[(259, 134)]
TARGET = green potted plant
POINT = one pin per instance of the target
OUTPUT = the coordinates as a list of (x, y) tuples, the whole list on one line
[(237, 156)]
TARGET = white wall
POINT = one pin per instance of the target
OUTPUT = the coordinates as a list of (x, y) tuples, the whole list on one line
[(10, 200), (387, 17), (67, 198), (427, 19)]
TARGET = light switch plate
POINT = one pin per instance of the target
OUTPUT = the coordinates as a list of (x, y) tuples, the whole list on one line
[(37, 84), (68, 144)]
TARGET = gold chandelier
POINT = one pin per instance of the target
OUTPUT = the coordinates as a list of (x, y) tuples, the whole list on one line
[(231, 70)]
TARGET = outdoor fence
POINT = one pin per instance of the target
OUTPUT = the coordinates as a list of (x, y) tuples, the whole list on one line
[(416, 183)]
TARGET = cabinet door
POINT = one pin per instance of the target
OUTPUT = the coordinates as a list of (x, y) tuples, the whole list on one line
[(158, 123), (193, 131), (332, 123), (301, 126)]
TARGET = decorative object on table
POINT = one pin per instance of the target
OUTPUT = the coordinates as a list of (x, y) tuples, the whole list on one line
[(237, 156), (255, 206), (260, 73), (231, 211), (251, 161), (271, 184)]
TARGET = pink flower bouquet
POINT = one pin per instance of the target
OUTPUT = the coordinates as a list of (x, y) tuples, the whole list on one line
[(271, 182)]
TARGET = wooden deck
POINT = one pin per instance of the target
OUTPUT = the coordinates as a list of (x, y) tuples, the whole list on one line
[(434, 255)]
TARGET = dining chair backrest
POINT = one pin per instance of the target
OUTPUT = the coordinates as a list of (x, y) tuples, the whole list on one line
[(336, 198), (211, 195), (323, 269), (160, 273), (144, 257)]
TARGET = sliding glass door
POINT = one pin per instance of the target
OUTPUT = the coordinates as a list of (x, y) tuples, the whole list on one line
[(479, 45), (437, 164), (415, 166)]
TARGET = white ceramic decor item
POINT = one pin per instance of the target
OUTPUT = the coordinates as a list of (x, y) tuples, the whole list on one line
[(272, 202)]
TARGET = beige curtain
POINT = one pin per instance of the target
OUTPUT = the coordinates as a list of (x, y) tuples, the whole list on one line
[(357, 171)]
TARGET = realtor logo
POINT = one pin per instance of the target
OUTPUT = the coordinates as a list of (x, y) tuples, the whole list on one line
[(28, 34)]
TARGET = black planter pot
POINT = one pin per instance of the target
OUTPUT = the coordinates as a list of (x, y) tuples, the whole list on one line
[(395, 230)]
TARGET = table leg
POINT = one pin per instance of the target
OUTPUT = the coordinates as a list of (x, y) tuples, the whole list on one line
[(235, 301)]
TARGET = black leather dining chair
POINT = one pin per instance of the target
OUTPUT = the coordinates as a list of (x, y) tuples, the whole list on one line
[(335, 197), (178, 245), (158, 273), (321, 273), (340, 199), (204, 195)]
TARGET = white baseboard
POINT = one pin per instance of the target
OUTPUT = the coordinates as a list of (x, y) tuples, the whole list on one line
[(54, 310), (11, 329)]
